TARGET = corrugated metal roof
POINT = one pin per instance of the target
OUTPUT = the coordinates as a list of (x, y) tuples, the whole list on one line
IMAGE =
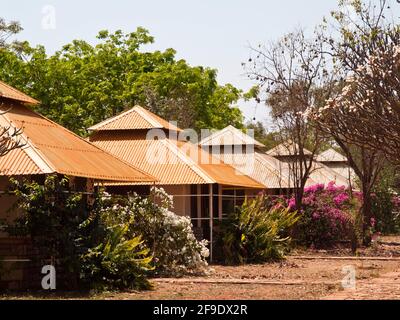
[(320, 173), (323, 174), (171, 162), (134, 119), (258, 166), (286, 149), (17, 162), (218, 170), (267, 170), (229, 136), (160, 158), (270, 171), (9, 92), (331, 155), (343, 169), (52, 148)]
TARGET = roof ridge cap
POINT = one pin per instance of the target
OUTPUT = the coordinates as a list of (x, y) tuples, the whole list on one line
[(111, 119), (236, 133), (145, 114)]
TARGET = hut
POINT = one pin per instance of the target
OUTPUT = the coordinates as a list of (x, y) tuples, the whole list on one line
[(47, 149), (247, 155), (288, 153), (272, 168), (337, 162), (203, 187)]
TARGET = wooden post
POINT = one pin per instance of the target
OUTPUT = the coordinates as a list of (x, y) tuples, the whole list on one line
[(199, 206), (90, 198), (220, 202), (211, 209)]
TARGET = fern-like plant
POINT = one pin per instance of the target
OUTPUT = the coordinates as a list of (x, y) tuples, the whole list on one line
[(256, 233), (118, 262)]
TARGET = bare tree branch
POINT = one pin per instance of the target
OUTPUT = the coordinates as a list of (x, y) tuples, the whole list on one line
[(10, 136)]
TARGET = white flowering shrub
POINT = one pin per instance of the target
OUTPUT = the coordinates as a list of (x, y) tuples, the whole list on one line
[(176, 250), (170, 237)]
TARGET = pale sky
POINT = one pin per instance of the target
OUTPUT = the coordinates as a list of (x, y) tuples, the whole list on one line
[(213, 33)]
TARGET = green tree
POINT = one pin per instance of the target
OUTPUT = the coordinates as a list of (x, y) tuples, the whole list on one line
[(81, 84)]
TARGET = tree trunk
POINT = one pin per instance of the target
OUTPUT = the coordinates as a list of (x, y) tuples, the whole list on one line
[(299, 194), (354, 240), (366, 210)]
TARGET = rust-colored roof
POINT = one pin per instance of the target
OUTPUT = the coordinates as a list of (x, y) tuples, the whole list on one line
[(160, 158), (53, 149), (170, 161), (18, 162), (9, 92), (165, 158), (136, 118), (218, 170)]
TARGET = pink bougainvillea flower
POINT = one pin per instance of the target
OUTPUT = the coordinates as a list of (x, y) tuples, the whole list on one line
[(341, 198)]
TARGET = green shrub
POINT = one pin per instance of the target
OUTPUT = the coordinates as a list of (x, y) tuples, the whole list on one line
[(114, 243), (51, 218), (386, 202), (257, 233), (385, 209), (89, 248), (117, 262)]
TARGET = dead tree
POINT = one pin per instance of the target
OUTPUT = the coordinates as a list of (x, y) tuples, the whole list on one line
[(292, 77)]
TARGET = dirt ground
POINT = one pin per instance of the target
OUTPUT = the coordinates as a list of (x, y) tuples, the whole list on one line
[(306, 274), (293, 279)]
